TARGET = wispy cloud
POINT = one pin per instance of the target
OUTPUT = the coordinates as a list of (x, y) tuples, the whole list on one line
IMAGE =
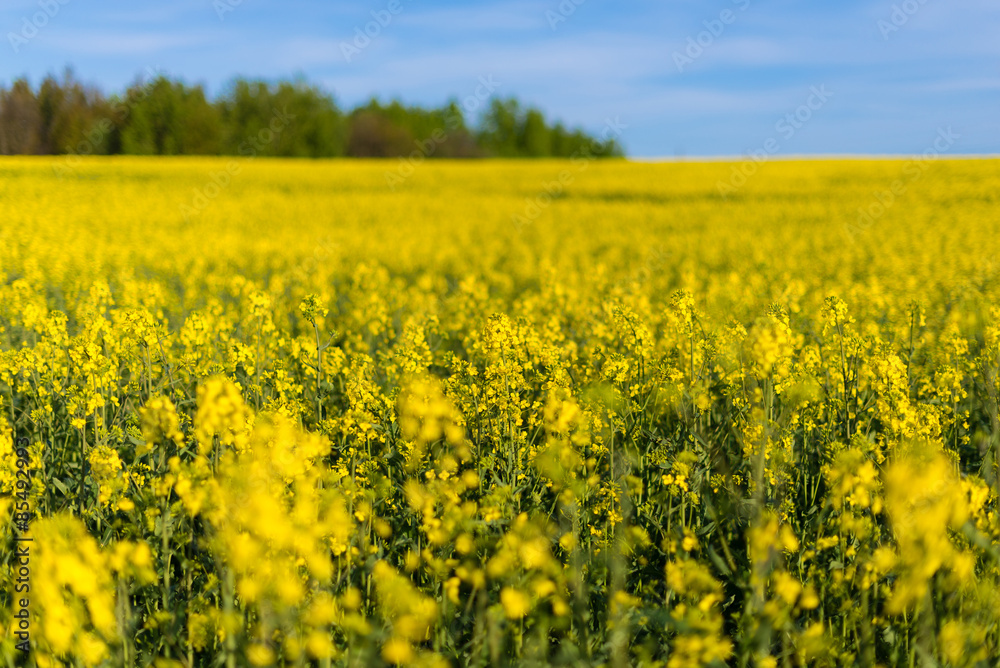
[(116, 43), (606, 59), (508, 16), (162, 13)]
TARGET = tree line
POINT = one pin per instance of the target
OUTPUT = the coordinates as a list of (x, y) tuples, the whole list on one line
[(163, 116)]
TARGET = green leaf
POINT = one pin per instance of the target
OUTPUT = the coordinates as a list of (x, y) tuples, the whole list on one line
[(719, 562), (60, 486)]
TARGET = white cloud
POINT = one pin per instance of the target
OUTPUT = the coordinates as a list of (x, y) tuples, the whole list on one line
[(108, 43), (309, 52), (511, 16), (159, 13)]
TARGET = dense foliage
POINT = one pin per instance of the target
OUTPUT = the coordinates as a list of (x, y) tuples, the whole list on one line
[(161, 116), (328, 421)]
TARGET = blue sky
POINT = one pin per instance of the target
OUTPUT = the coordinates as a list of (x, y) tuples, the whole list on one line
[(889, 74)]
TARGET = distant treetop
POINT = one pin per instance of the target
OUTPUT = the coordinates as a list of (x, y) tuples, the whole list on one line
[(163, 116)]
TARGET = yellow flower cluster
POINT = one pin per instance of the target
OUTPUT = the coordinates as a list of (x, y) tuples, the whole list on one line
[(321, 423)]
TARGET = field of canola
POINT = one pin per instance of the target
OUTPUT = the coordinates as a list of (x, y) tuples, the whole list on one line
[(501, 413)]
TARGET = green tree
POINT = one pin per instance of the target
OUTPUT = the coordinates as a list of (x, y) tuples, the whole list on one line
[(153, 125), (165, 116), (498, 134), (377, 132), (20, 120), (288, 120), (199, 127), (316, 128), (74, 118), (535, 137)]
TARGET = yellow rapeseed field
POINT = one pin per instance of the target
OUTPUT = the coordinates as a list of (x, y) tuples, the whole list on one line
[(261, 412)]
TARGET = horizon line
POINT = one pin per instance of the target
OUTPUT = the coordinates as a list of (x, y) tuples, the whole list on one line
[(810, 156)]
